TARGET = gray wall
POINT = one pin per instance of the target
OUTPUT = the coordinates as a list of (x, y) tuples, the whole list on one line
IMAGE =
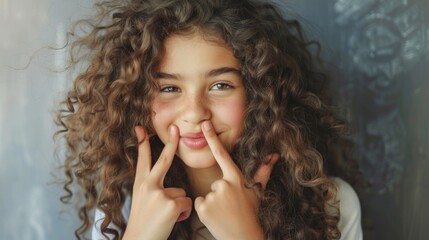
[(380, 50), (379, 53), (29, 85)]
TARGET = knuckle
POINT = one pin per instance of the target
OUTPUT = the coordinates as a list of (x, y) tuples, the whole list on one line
[(160, 194), (219, 152), (172, 205), (202, 211), (222, 186), (209, 197)]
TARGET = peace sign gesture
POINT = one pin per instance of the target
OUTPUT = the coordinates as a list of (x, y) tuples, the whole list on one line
[(155, 209), (229, 211)]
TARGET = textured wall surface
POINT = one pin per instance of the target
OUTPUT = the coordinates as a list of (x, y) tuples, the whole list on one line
[(379, 51), (29, 85)]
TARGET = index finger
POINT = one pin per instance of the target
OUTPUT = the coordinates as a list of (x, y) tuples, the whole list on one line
[(161, 167), (229, 169), (144, 159)]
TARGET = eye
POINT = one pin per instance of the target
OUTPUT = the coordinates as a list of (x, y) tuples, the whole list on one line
[(170, 89), (221, 86)]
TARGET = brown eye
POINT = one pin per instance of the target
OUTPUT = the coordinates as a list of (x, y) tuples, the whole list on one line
[(221, 86), (170, 89)]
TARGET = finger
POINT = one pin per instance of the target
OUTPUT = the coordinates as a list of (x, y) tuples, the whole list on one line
[(144, 159), (184, 204), (263, 173), (184, 215), (227, 165), (202, 208), (175, 192), (166, 157), (214, 186), (218, 185), (198, 202)]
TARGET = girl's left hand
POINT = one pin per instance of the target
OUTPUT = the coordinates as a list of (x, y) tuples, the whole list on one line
[(230, 210)]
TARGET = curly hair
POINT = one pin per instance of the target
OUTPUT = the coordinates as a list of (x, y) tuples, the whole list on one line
[(287, 112)]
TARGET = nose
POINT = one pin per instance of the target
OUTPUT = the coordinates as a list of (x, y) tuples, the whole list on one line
[(195, 109)]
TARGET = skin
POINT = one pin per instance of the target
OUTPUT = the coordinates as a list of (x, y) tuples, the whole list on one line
[(199, 81), (202, 94)]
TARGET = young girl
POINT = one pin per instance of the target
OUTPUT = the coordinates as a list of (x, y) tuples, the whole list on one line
[(202, 119)]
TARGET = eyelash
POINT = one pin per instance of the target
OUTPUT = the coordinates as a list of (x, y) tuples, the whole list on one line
[(217, 87), (221, 86), (170, 89)]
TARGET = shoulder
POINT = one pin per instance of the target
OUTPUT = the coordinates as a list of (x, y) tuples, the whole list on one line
[(99, 217), (96, 227), (350, 211)]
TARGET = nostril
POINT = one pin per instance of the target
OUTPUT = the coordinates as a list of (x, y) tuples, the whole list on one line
[(195, 113)]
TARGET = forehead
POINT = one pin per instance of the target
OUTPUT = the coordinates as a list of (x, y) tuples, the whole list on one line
[(184, 51)]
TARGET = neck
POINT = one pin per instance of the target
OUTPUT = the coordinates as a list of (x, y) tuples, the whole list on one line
[(202, 179)]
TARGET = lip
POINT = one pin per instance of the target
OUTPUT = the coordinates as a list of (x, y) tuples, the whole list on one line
[(193, 135), (194, 140)]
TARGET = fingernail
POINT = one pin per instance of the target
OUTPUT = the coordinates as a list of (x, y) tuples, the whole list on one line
[(207, 125)]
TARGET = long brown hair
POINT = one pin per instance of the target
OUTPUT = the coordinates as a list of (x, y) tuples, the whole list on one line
[(287, 110)]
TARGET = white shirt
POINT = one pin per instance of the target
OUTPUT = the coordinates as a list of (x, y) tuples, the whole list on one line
[(350, 211), (349, 224)]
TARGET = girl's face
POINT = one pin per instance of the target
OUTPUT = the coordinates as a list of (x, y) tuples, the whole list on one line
[(199, 81)]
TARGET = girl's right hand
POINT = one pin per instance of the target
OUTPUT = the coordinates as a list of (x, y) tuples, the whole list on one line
[(155, 209)]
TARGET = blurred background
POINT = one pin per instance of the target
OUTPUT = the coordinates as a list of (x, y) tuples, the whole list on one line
[(378, 51)]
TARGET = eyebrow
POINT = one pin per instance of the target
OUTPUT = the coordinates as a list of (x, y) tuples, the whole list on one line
[(211, 73), (222, 70)]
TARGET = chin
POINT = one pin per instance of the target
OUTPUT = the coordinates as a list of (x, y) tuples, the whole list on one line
[(200, 159)]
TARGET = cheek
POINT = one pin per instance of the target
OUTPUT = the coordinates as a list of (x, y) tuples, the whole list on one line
[(233, 113), (162, 116)]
